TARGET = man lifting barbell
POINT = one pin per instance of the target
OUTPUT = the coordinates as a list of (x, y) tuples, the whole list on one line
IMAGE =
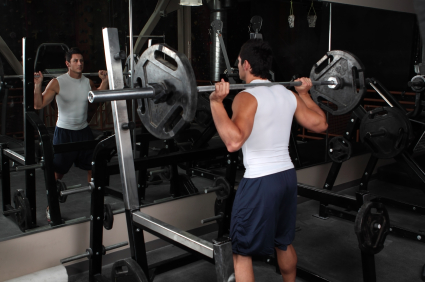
[(70, 90), (264, 210)]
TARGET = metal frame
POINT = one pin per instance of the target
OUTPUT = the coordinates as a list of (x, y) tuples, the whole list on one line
[(222, 250)]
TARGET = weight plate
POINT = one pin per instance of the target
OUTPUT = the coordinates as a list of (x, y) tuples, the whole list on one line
[(418, 78), (339, 149), (61, 186), (23, 218), (162, 64), (386, 132), (224, 193), (372, 226), (127, 270), (108, 217), (349, 71)]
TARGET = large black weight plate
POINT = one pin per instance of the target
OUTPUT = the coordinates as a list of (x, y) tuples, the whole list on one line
[(23, 218), (61, 186), (339, 149), (108, 217), (162, 64), (127, 270), (349, 71), (372, 226), (386, 132)]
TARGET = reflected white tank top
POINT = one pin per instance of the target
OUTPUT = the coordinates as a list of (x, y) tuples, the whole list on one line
[(72, 101), (266, 151)]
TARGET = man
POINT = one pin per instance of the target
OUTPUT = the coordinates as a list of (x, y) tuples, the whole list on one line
[(264, 210), (71, 91)]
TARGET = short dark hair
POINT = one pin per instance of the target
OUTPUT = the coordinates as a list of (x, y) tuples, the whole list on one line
[(70, 52), (259, 55)]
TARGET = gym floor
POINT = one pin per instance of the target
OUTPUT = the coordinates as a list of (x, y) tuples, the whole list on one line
[(327, 247)]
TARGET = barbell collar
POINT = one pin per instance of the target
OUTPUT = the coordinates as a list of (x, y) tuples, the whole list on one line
[(213, 188), (78, 190), (100, 96)]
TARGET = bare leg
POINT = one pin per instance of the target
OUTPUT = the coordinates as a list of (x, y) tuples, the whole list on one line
[(88, 176), (58, 176), (244, 271), (287, 261)]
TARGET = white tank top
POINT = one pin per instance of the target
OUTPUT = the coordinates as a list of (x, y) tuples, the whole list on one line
[(72, 101), (266, 151)]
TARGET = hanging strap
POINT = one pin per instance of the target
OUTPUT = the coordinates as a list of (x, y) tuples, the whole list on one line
[(312, 6), (291, 11)]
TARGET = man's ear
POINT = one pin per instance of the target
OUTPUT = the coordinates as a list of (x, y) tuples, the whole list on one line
[(247, 65), (67, 63)]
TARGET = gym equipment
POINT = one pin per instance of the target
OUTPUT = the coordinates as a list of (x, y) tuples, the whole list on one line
[(168, 94), (372, 226), (221, 188), (347, 71), (339, 149), (89, 253), (108, 217), (417, 83), (386, 132), (127, 270), (64, 191), (22, 210)]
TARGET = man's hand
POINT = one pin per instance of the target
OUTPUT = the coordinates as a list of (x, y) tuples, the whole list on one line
[(221, 91), (38, 80), (103, 74), (305, 87)]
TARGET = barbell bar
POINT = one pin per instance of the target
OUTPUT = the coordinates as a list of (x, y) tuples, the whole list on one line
[(54, 75), (99, 96)]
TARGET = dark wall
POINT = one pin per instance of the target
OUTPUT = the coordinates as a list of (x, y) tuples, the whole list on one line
[(383, 40)]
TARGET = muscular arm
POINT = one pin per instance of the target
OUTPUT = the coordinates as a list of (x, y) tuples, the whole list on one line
[(308, 114), (43, 99), (104, 84), (235, 131)]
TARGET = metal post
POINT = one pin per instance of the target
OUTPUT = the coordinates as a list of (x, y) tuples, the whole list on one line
[(5, 177), (29, 147), (133, 102)]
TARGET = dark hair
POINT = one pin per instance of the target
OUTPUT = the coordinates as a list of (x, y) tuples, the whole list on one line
[(70, 52), (259, 55)]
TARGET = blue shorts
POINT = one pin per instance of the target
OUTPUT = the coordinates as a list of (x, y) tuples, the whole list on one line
[(62, 162), (264, 214)]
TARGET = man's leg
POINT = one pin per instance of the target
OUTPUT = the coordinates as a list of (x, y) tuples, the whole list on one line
[(244, 271), (287, 261), (88, 176), (58, 175)]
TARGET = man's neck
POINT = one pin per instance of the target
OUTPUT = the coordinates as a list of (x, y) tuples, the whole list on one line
[(75, 75), (250, 78)]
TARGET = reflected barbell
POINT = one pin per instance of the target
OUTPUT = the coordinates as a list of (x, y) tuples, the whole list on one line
[(54, 75)]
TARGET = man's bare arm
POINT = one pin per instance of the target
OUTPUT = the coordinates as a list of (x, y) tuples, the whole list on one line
[(43, 99), (104, 84), (235, 131)]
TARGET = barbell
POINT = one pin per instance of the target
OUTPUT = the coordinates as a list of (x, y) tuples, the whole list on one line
[(167, 94), (54, 75)]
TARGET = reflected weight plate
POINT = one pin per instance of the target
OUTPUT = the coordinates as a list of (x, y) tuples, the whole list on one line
[(386, 132), (127, 270), (161, 64), (372, 226), (339, 149), (23, 218), (108, 217), (348, 71)]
